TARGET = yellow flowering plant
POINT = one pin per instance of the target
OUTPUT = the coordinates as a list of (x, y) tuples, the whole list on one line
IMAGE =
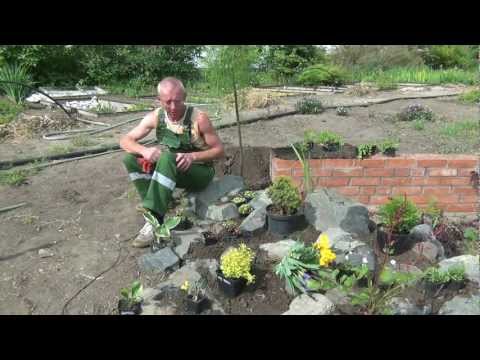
[(237, 263), (322, 245), (195, 290)]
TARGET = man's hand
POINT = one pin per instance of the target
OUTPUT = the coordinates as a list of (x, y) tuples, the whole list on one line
[(151, 154), (184, 161)]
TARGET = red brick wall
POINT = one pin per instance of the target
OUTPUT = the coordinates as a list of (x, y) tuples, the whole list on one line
[(447, 178)]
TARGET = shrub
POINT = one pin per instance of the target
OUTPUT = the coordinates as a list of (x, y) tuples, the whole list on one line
[(309, 106), (472, 96), (237, 263), (19, 74), (399, 214), (448, 56), (322, 74), (284, 195), (416, 112), (8, 111), (366, 150)]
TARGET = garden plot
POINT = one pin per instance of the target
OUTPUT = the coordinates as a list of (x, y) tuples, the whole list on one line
[(97, 108)]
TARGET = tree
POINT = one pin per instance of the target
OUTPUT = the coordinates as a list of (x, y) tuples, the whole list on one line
[(228, 69)]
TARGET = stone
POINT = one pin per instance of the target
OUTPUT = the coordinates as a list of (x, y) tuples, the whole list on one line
[(190, 272), (325, 209), (358, 256), (278, 250), (149, 294), (422, 233), (214, 191), (342, 240), (153, 309), (163, 260), (222, 212), (317, 304), (185, 239), (337, 297), (224, 199), (470, 262), (261, 200), (254, 223), (235, 192), (427, 249), (403, 306), (43, 253), (461, 305)]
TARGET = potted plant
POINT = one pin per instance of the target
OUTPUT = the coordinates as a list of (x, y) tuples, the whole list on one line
[(185, 222), (209, 238), (284, 215), (131, 300), (239, 200), (397, 217), (388, 147), (435, 280), (245, 209), (195, 301), (249, 195), (235, 270), (161, 231), (230, 230), (366, 150), (329, 140)]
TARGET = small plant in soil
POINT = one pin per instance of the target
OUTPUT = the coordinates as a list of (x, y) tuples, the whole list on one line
[(366, 150), (245, 209), (309, 106), (432, 213), (185, 221), (236, 270), (342, 111), (303, 155), (131, 299), (416, 112), (398, 216), (230, 229), (196, 299), (249, 195), (435, 279), (161, 231), (471, 241), (330, 141), (239, 200), (285, 196), (388, 147)]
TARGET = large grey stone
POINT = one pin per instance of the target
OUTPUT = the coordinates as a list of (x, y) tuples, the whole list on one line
[(261, 200), (254, 223), (337, 297), (470, 262), (342, 240), (190, 272), (222, 212), (185, 239), (163, 260), (427, 249), (358, 256), (278, 250), (403, 306), (461, 305), (423, 233), (216, 190), (318, 304), (325, 209)]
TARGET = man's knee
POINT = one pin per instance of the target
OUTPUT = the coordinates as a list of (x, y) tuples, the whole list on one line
[(167, 157)]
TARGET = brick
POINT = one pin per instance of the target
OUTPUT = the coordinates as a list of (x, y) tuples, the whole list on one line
[(278, 173), (332, 182), (337, 163), (348, 190), (420, 181), (463, 163), (442, 172), (402, 172), (396, 181), (348, 172), (383, 190), (364, 199), (377, 172), (419, 199), (431, 163), (365, 181), (401, 163), (379, 199), (368, 190), (281, 164), (437, 190), (321, 172), (454, 180), (315, 163), (466, 172), (467, 190), (409, 190), (468, 198), (371, 163), (417, 172), (461, 207), (447, 198)]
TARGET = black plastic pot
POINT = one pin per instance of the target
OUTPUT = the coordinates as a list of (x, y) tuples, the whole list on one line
[(196, 306), (389, 152), (432, 289), (230, 287), (285, 224), (400, 243), (184, 225), (209, 238), (127, 308)]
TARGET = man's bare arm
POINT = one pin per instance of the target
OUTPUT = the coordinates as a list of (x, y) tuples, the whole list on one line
[(208, 132)]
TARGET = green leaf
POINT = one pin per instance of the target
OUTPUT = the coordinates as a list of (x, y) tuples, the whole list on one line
[(172, 222), (137, 289), (125, 293)]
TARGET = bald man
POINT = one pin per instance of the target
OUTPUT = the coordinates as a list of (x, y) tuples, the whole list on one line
[(190, 144)]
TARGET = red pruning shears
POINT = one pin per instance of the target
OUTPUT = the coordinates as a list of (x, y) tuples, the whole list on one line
[(147, 166)]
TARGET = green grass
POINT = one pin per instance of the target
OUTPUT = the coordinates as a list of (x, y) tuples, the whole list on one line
[(59, 149), (466, 129), (9, 111), (418, 75), (81, 141), (470, 97), (131, 89), (13, 178), (471, 241), (419, 124)]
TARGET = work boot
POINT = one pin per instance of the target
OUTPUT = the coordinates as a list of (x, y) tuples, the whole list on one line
[(145, 236)]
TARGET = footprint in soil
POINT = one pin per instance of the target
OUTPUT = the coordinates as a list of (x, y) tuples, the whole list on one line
[(72, 196)]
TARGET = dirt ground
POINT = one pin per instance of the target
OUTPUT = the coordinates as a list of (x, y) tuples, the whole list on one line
[(83, 212)]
